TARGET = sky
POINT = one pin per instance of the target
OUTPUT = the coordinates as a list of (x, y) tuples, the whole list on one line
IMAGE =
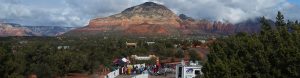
[(77, 13), (296, 2)]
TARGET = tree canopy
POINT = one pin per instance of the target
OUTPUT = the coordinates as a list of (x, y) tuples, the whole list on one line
[(272, 53)]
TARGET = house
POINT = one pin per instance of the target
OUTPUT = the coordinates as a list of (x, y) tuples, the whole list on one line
[(150, 43), (63, 47), (142, 37), (188, 71), (176, 45), (131, 45), (202, 41), (23, 42), (143, 57), (105, 37)]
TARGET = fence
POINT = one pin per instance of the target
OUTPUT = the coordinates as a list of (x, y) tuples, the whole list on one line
[(112, 74), (141, 76)]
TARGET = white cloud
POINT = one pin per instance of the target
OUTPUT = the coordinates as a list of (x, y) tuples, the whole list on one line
[(229, 10)]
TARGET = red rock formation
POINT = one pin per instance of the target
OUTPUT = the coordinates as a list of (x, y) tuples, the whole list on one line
[(10, 30), (147, 18), (152, 18)]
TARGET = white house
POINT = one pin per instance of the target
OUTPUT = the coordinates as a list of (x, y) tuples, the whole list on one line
[(202, 41), (143, 57), (63, 47), (188, 71), (150, 43), (131, 44)]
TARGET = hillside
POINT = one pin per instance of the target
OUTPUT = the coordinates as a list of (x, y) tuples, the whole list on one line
[(11, 29), (152, 19)]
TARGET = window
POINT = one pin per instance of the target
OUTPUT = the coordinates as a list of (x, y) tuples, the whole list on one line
[(180, 72), (197, 72)]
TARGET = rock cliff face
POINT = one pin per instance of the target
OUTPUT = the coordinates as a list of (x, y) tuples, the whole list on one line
[(191, 26), (144, 19), (147, 13), (10, 29), (49, 30), (14, 30), (154, 19)]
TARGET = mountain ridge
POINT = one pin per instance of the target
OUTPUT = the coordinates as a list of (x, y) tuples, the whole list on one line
[(151, 18), (12, 29), (143, 19)]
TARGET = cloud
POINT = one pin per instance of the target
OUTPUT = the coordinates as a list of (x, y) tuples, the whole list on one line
[(79, 12), (233, 11), (58, 12)]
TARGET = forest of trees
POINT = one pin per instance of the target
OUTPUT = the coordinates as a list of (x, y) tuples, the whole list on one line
[(23, 56), (272, 53)]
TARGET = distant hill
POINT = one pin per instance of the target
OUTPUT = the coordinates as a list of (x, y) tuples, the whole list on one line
[(145, 19), (50, 30), (11, 29), (14, 30), (150, 18)]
